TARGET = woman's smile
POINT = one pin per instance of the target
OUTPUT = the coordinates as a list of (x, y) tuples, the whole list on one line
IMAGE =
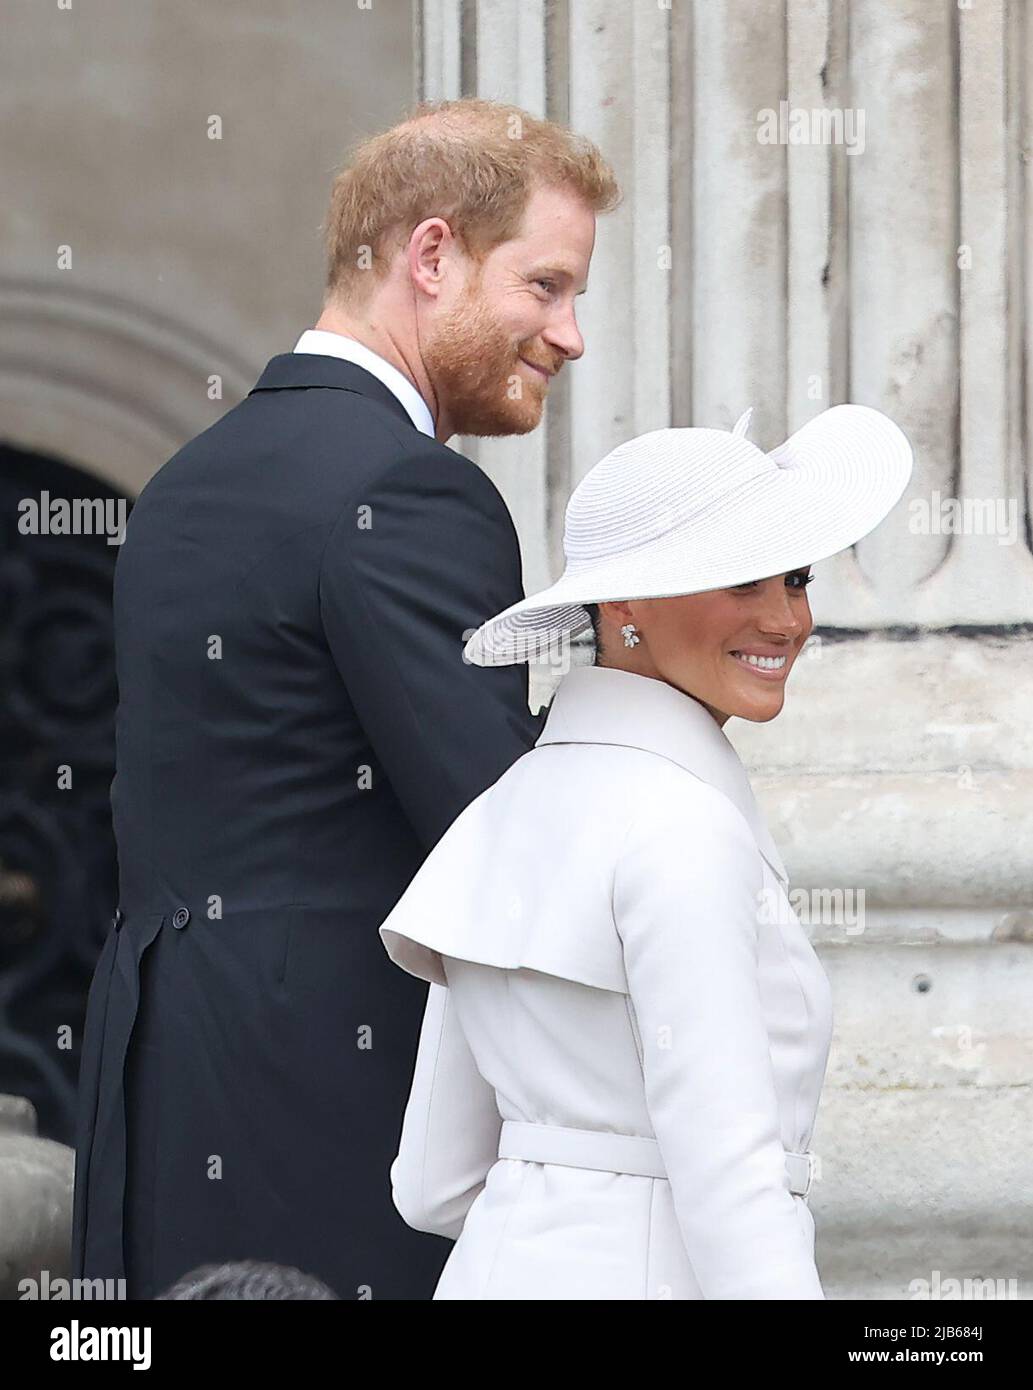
[(765, 665)]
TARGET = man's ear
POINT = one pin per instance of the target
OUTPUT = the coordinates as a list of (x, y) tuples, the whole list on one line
[(430, 245)]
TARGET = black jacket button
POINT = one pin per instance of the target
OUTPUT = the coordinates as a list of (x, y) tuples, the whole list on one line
[(118, 919), (180, 918)]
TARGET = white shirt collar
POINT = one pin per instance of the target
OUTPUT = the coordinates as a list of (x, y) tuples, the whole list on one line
[(601, 704), (321, 340)]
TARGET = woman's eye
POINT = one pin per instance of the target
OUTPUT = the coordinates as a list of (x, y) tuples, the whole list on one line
[(793, 581)]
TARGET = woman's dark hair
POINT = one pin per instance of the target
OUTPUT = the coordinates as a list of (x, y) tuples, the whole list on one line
[(592, 609)]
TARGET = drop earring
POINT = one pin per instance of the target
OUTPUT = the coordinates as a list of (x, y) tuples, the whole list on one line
[(630, 633)]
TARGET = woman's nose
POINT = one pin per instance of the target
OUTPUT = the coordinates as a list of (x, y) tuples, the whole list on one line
[(781, 614)]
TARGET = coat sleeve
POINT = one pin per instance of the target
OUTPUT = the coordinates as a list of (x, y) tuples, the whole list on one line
[(415, 562), (687, 893), (451, 1127)]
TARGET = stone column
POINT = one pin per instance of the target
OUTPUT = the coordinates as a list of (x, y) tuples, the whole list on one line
[(892, 266)]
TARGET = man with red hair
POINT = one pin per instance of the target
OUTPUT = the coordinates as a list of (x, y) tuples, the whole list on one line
[(297, 727)]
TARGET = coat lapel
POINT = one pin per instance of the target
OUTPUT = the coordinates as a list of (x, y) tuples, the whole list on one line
[(600, 704)]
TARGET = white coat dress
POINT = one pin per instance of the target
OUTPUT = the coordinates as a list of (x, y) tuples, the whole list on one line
[(627, 1027)]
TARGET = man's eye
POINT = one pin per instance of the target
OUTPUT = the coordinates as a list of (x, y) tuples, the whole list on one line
[(547, 285)]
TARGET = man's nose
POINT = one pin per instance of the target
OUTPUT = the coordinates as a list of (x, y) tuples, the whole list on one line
[(564, 335)]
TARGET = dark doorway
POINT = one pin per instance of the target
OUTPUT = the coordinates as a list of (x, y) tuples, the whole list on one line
[(58, 880)]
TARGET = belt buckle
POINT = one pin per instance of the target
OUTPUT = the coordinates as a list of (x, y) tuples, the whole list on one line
[(811, 1166)]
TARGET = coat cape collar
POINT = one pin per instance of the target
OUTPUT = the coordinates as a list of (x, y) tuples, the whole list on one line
[(600, 704), (460, 901)]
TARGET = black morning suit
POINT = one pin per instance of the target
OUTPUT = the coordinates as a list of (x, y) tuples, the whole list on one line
[(296, 729)]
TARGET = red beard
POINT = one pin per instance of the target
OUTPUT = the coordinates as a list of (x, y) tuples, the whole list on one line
[(475, 370)]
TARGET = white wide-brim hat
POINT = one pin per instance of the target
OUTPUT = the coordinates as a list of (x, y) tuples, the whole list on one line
[(682, 511)]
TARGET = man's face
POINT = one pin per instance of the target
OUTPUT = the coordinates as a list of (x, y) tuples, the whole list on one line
[(510, 326)]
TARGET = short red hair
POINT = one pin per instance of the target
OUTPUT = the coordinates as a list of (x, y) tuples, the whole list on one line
[(472, 162)]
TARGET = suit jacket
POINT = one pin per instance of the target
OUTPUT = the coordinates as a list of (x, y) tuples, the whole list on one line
[(296, 728), (611, 948)]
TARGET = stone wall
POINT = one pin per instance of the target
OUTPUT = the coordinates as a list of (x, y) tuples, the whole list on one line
[(168, 168)]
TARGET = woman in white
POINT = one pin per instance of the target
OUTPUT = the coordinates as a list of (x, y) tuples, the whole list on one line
[(627, 1027)]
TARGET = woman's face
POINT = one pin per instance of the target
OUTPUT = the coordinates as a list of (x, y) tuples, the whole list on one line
[(700, 643)]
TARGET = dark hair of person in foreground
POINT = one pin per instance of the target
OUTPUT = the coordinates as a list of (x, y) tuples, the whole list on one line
[(247, 1279)]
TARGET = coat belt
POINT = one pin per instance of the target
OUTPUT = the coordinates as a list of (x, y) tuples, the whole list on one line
[(614, 1153)]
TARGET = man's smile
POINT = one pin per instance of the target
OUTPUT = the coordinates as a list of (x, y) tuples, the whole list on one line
[(535, 367)]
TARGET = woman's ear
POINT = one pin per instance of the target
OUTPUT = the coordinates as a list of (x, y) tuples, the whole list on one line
[(616, 610)]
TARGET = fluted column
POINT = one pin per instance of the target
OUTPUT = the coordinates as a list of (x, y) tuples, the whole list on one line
[(890, 266)]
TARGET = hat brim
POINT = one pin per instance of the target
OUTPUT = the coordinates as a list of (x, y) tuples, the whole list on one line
[(836, 479)]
